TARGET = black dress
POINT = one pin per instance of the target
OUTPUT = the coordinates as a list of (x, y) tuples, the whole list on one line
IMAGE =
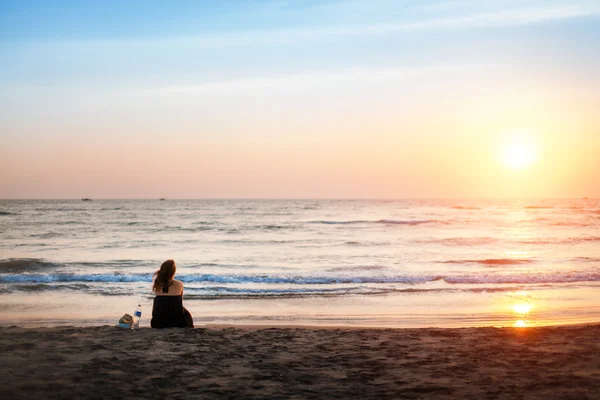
[(169, 312)]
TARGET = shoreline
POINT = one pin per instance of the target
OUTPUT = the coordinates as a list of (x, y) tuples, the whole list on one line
[(105, 322), (254, 327), (223, 361)]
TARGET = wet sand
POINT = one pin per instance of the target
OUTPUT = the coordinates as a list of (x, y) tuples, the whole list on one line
[(217, 362)]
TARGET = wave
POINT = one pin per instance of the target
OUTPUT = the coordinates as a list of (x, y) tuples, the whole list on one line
[(492, 261), (208, 293), (18, 265), (69, 209), (259, 242), (465, 208), (199, 228), (41, 287), (270, 227), (219, 227), (363, 243), (535, 278), (381, 221), (72, 277), (6, 213), (408, 222), (358, 268), (68, 222), (221, 292), (569, 240), (48, 235), (125, 263), (586, 259), (207, 223), (204, 278), (73, 287), (284, 291), (570, 223), (461, 241), (537, 207), (521, 278), (21, 265), (340, 222)]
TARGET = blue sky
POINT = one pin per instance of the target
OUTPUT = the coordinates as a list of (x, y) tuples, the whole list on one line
[(108, 77), (153, 40)]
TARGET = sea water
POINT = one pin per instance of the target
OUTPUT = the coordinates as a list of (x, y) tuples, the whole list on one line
[(397, 263)]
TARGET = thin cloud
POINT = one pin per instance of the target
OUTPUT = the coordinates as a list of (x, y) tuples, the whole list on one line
[(301, 81), (502, 18), (517, 14), (512, 17)]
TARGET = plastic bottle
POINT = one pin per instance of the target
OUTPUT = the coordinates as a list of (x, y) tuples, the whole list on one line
[(137, 315)]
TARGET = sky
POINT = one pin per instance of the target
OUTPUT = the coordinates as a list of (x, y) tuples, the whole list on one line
[(300, 99)]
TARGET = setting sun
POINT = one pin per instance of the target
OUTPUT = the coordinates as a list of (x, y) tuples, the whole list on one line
[(519, 155), (522, 308)]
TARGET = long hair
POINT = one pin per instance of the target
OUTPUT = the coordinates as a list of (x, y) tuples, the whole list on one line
[(164, 275)]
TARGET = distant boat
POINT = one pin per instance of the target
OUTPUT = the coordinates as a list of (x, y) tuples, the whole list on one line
[(86, 199), (162, 199)]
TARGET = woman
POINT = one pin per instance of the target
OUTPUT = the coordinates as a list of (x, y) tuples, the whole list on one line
[(168, 310)]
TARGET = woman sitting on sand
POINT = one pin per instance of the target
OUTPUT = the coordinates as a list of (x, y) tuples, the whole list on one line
[(168, 310)]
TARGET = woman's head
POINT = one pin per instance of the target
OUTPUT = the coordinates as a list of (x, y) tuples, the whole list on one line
[(163, 276)]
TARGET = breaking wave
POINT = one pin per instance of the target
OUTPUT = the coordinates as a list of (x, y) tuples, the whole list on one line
[(521, 278)]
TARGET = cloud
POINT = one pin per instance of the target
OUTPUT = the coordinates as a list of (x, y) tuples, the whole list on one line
[(440, 16), (501, 18), (301, 81), (497, 18)]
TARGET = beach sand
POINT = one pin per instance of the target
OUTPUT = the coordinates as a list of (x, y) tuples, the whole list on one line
[(284, 362)]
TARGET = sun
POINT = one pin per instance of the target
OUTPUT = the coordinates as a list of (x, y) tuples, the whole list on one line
[(522, 308), (518, 156), (518, 153)]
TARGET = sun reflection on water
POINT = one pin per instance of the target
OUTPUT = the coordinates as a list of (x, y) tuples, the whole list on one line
[(520, 324), (522, 311)]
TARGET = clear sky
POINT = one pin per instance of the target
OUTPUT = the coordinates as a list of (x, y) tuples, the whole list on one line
[(300, 99)]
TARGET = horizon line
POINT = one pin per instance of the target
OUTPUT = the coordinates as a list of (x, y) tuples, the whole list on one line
[(303, 198)]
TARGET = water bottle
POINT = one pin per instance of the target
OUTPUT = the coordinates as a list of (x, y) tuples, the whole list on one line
[(137, 315)]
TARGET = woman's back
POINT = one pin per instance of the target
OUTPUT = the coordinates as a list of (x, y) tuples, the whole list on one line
[(167, 309), (174, 288)]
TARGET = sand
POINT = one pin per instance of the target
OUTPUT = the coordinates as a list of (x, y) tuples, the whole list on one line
[(478, 363)]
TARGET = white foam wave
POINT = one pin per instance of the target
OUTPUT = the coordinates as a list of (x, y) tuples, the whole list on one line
[(493, 278)]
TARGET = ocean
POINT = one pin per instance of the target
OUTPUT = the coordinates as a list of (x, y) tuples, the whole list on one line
[(389, 263)]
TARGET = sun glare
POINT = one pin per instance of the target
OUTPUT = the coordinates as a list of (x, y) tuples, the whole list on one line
[(520, 324), (519, 156), (519, 151), (522, 308)]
